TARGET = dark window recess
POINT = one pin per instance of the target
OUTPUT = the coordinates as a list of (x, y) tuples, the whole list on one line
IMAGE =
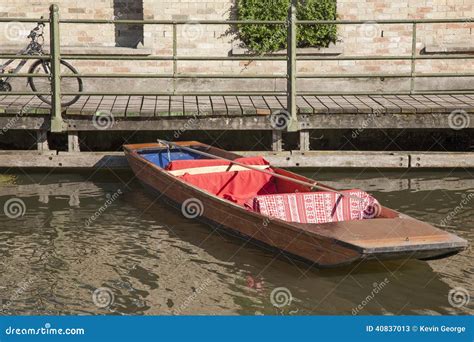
[(128, 35)]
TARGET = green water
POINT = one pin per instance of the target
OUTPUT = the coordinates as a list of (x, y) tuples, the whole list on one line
[(83, 232)]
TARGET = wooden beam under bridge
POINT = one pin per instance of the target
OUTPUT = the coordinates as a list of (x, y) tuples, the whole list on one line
[(290, 159)]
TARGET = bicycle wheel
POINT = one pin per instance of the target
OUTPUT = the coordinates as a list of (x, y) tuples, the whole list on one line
[(43, 84)]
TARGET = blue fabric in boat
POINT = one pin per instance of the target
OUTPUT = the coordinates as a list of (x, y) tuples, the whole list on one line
[(162, 158)]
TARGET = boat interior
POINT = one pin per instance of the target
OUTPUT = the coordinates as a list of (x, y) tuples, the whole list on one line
[(264, 192)]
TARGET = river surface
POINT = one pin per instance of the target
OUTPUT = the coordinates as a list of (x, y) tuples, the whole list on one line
[(98, 243)]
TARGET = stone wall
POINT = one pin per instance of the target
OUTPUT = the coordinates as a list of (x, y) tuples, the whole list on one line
[(370, 38)]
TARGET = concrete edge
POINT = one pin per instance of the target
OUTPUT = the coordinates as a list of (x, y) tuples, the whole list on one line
[(293, 159)]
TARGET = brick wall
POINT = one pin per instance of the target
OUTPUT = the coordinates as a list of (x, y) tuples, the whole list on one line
[(367, 39)]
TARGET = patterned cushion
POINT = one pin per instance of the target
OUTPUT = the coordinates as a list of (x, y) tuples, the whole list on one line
[(318, 207)]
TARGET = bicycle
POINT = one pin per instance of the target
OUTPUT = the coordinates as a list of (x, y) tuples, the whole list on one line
[(41, 66)]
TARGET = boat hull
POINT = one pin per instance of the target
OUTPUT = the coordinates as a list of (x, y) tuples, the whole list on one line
[(319, 244)]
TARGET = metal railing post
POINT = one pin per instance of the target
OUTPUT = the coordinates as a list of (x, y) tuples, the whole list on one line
[(175, 52), (56, 118), (413, 59), (291, 68)]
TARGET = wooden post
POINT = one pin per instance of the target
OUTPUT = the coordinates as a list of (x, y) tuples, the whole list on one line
[(277, 143), (413, 60), (42, 140), (304, 140), (56, 119), (73, 142), (291, 68)]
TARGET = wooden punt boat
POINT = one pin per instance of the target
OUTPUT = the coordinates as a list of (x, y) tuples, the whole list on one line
[(389, 235)]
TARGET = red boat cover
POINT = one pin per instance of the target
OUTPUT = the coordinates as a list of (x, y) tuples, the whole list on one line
[(237, 186), (318, 207)]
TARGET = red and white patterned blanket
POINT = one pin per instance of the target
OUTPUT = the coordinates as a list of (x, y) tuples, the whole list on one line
[(318, 207)]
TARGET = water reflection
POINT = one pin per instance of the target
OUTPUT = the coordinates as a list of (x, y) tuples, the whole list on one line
[(155, 261)]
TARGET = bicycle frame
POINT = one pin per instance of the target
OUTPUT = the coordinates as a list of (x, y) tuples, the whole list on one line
[(17, 69)]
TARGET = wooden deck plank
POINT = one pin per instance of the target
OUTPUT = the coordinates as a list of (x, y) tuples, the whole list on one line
[(359, 106), (405, 107), (433, 107), (16, 105), (283, 100), (76, 108), (31, 106), (134, 106), (190, 106), (375, 107), (218, 105), (448, 107), (233, 106), (92, 105), (346, 106), (272, 103), (417, 105), (317, 106), (332, 106), (148, 106), (260, 105), (247, 105), (6, 101), (28, 105), (301, 104), (467, 100), (176, 106), (43, 108), (455, 102), (106, 105), (389, 106), (13, 107), (120, 106), (162, 106)]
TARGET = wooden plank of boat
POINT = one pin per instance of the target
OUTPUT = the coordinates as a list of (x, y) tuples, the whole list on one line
[(392, 236)]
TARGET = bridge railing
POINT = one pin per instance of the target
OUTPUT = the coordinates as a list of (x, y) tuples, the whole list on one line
[(291, 59)]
